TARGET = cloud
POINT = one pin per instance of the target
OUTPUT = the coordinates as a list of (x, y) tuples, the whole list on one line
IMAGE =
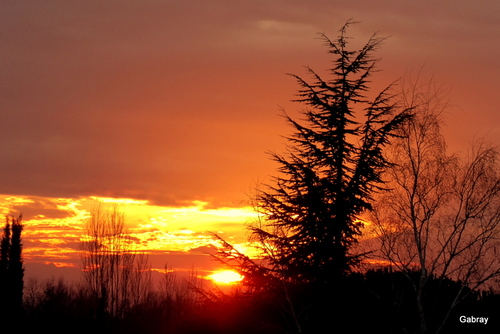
[(43, 272), (182, 261), (39, 207), (210, 249), (176, 101)]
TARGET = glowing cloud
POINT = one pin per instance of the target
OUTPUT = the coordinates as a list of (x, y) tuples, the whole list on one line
[(54, 226)]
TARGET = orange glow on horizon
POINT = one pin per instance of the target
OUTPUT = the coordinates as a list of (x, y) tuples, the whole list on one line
[(54, 227)]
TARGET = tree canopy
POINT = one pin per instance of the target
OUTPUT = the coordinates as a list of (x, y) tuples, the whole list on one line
[(332, 166)]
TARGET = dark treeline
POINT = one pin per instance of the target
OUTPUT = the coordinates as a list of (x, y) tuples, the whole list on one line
[(377, 301), (435, 232), (57, 307)]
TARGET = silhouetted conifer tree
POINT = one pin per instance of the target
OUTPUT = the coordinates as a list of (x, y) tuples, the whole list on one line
[(4, 251), (4, 273), (16, 270), (11, 268), (331, 169)]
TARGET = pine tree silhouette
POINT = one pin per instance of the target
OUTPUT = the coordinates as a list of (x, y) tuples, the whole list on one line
[(11, 268), (332, 167)]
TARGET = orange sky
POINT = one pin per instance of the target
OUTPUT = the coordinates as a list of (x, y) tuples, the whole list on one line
[(179, 237), (175, 103)]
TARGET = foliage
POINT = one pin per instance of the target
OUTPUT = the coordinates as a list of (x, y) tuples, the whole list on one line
[(332, 167), (11, 268)]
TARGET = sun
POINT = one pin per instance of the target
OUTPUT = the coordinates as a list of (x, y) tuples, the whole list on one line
[(226, 277)]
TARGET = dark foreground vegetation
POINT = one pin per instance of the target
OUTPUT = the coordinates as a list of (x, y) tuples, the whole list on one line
[(377, 302)]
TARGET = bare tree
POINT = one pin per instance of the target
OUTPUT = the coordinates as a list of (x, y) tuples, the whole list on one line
[(441, 215), (32, 293), (181, 295), (117, 276)]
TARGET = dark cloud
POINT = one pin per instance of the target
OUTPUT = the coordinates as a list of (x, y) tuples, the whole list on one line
[(76, 245), (39, 206), (174, 101), (182, 260), (210, 249), (43, 272)]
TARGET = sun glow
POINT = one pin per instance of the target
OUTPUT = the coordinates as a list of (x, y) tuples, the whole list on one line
[(226, 277)]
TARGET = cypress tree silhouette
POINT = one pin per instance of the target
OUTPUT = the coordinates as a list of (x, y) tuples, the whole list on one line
[(16, 270), (332, 167), (4, 273), (11, 268), (4, 252)]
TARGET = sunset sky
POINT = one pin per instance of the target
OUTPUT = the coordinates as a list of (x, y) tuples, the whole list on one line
[(172, 105)]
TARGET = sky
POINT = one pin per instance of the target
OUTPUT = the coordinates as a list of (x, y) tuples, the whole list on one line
[(173, 105)]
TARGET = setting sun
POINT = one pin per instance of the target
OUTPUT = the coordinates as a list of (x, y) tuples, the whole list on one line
[(226, 277)]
